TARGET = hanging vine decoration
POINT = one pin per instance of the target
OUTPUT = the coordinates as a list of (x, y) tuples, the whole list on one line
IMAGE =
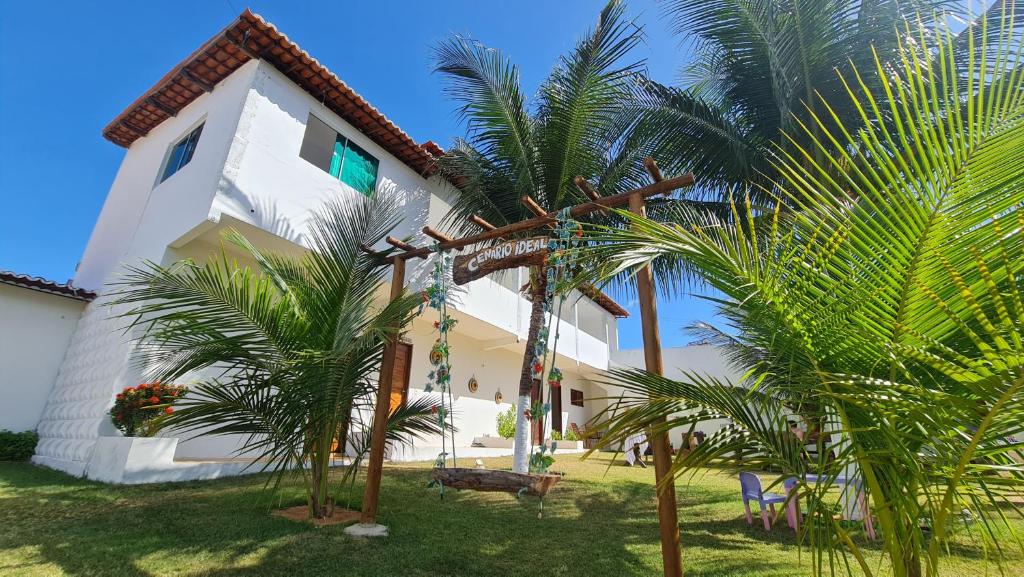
[(562, 248), (440, 376)]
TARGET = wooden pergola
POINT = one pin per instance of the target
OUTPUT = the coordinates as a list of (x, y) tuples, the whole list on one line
[(636, 201)]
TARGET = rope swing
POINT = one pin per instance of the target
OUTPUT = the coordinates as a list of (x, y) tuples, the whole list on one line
[(440, 376), (562, 251)]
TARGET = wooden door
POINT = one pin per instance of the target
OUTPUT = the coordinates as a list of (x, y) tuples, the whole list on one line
[(400, 378), (556, 410), (537, 424)]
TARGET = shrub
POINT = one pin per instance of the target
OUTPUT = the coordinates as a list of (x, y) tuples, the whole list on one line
[(135, 408), (571, 435), (556, 436), (17, 446), (507, 423)]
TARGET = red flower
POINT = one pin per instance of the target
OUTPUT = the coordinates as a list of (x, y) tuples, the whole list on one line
[(433, 410), (579, 232), (143, 386), (154, 400), (437, 324), (168, 410), (120, 397)]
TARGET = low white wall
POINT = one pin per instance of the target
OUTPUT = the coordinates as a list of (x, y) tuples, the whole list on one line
[(700, 359), (36, 329)]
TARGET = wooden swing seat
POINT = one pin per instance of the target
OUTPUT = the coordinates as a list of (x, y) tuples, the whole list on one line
[(495, 480)]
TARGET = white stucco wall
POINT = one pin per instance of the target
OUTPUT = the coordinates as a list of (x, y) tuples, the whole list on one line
[(247, 167), (268, 184), (141, 215), (700, 359), (35, 328), (494, 369)]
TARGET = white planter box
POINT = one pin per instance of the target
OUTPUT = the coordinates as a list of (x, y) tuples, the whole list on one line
[(500, 443), (131, 459)]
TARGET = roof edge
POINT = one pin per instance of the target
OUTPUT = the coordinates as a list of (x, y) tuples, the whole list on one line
[(250, 37), (45, 285)]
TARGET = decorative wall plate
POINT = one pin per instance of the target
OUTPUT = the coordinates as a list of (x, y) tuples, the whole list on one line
[(498, 397), (473, 385)]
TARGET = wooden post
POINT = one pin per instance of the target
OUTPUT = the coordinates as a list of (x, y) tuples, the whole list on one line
[(668, 520), (374, 468)]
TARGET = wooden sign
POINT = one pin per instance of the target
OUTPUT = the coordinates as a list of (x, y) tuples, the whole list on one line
[(505, 255)]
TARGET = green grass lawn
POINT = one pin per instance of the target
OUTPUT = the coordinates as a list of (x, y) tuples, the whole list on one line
[(598, 521)]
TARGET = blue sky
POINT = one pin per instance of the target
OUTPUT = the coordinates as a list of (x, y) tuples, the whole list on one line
[(68, 68)]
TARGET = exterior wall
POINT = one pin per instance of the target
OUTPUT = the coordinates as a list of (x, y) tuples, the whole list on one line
[(701, 359), (266, 183), (496, 369), (141, 215), (37, 329), (140, 218), (247, 167)]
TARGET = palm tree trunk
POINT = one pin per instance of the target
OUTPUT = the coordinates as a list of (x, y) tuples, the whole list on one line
[(538, 286)]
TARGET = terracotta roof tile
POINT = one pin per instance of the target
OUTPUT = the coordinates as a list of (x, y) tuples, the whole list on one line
[(44, 285), (249, 37)]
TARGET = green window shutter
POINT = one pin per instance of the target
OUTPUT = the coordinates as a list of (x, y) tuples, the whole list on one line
[(359, 170), (338, 156)]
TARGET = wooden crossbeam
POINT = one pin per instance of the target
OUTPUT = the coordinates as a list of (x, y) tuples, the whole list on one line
[(436, 234), (245, 49), (400, 244), (481, 223), (653, 170), (585, 188), (604, 202), (532, 206), (152, 101), (134, 128), (196, 80)]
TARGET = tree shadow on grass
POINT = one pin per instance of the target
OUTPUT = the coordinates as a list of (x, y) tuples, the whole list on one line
[(87, 528), (223, 528)]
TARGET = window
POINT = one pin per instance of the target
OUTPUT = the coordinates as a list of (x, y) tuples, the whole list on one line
[(576, 398), (338, 156), (181, 153)]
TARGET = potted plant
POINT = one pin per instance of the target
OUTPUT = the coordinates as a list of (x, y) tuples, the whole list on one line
[(134, 457), (136, 409)]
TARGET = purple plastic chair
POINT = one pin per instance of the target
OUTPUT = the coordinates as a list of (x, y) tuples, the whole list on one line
[(750, 485)]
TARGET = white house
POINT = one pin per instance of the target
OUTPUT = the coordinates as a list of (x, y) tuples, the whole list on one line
[(250, 132)]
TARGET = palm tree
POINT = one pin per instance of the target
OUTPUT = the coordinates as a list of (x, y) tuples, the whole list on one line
[(286, 351), (512, 150), (887, 308), (756, 70)]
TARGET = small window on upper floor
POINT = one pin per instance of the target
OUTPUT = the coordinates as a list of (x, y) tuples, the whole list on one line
[(338, 156), (181, 153), (576, 397)]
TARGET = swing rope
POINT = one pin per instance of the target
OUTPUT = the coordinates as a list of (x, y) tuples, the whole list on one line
[(440, 375), (562, 250)]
